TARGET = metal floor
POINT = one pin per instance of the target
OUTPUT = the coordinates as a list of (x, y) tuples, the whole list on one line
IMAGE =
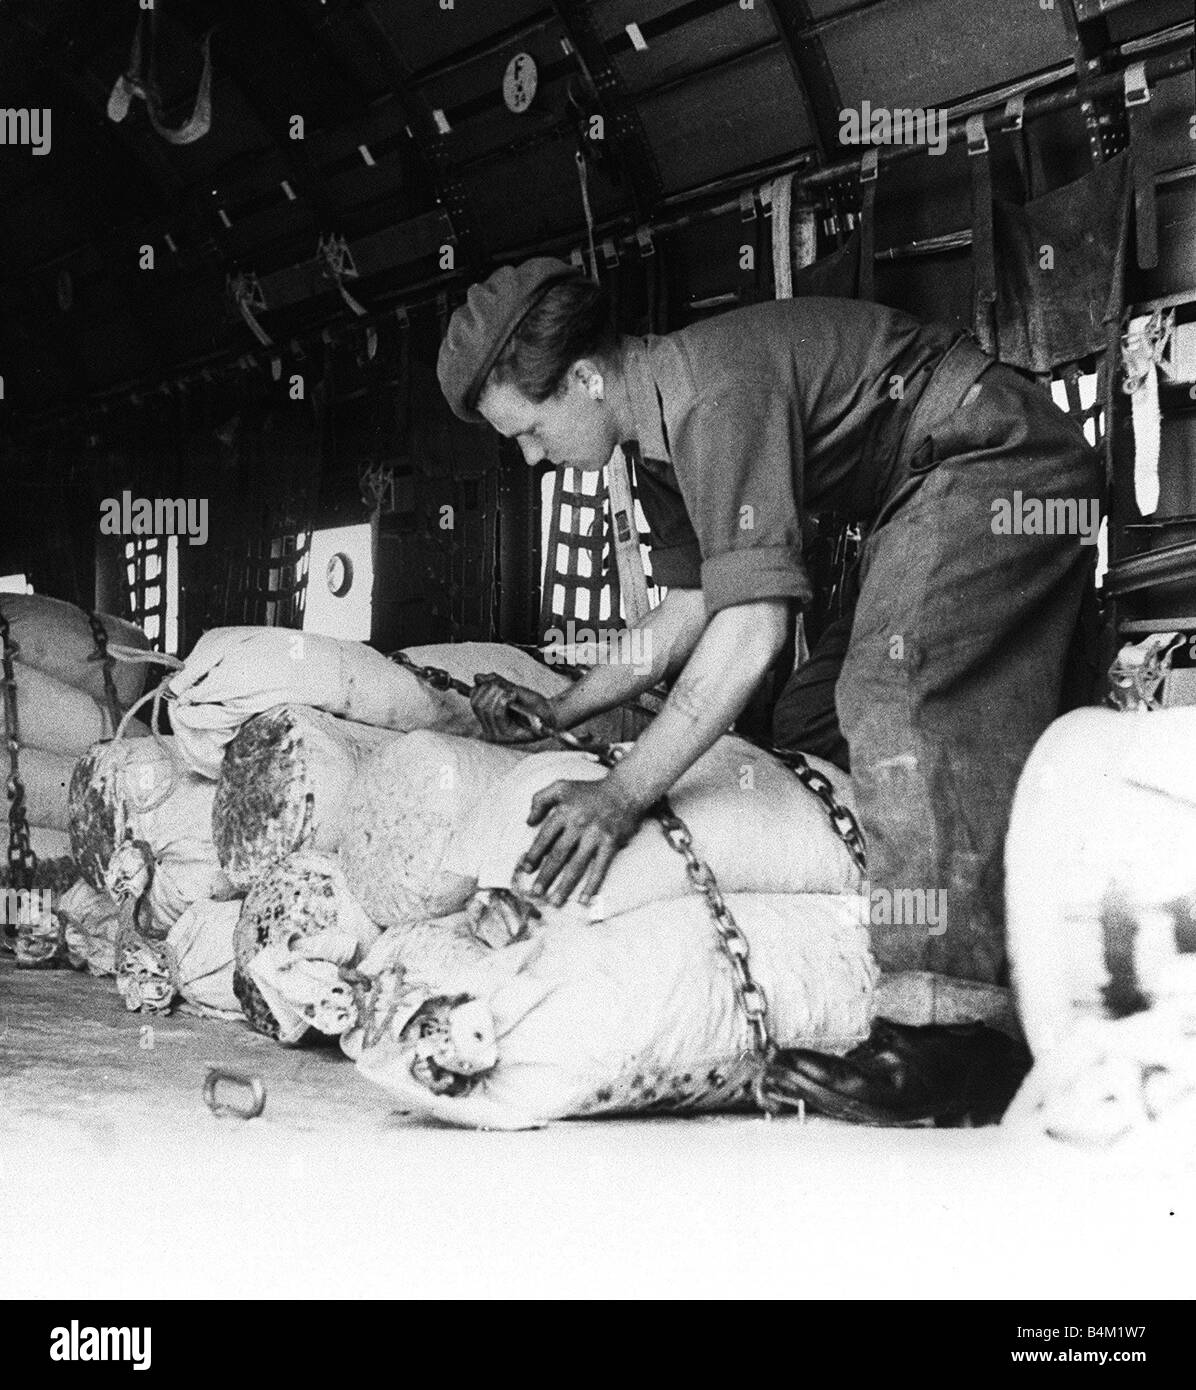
[(116, 1181)]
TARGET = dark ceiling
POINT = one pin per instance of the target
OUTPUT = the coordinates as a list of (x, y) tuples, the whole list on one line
[(408, 146)]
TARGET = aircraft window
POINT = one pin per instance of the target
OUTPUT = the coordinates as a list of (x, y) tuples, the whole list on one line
[(340, 585)]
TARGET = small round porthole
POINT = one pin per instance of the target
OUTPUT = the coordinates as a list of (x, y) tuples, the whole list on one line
[(339, 574)]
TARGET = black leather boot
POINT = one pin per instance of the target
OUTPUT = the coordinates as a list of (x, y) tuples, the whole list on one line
[(905, 1076)]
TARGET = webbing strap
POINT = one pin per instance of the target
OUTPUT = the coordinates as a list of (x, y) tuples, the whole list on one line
[(869, 165), (1137, 110), (984, 269)]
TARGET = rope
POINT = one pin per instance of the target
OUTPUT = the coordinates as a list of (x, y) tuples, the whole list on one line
[(157, 695)]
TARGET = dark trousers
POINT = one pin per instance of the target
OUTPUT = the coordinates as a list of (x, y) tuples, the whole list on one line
[(934, 691)]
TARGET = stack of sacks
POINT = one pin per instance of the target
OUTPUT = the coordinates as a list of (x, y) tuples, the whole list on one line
[(298, 930), (234, 673), (628, 1004), (1101, 922), (283, 783), (61, 706), (401, 818), (140, 825)]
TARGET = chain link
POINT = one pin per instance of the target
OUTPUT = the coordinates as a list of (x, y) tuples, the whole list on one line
[(845, 824), (22, 862), (100, 636), (752, 998)]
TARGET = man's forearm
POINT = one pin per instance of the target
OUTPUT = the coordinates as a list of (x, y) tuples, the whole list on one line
[(734, 653), (639, 660)]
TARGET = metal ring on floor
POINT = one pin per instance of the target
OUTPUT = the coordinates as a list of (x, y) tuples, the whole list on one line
[(253, 1084)]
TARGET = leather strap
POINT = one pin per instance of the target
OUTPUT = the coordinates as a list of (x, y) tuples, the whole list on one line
[(869, 165), (961, 367), (1137, 110), (984, 270)]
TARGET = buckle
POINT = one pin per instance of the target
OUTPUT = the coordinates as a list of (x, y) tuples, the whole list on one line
[(869, 163), (1015, 113), (644, 238), (747, 205), (977, 135), (1137, 93)]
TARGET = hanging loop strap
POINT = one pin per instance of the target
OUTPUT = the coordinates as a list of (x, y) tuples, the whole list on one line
[(869, 169), (984, 270), (245, 290), (338, 267), (1137, 111)]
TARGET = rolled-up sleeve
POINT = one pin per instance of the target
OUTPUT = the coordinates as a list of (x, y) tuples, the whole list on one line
[(738, 458)]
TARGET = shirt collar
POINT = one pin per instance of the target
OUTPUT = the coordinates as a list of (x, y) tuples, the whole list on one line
[(645, 399)]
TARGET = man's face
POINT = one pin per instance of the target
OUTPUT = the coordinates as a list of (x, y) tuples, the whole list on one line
[(576, 428)]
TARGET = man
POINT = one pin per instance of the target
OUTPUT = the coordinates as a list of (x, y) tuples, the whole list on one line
[(953, 662)]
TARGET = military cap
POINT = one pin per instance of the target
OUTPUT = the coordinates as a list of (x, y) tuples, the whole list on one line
[(480, 329)]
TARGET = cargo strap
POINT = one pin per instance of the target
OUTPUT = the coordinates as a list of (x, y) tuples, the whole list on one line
[(734, 944), (869, 166), (984, 266), (101, 654), (1137, 112), (21, 860)]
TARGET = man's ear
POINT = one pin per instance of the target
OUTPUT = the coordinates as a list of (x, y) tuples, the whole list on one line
[(589, 377)]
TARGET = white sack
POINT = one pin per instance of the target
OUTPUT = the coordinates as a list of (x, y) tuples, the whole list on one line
[(59, 717), (284, 780), (90, 920), (200, 951), (47, 780), (752, 821), (1103, 801), (56, 638), (235, 672), (638, 1012), (48, 843), (1100, 898), (298, 926), (141, 823), (401, 814)]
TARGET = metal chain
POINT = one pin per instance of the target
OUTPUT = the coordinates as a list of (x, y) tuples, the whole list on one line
[(752, 998), (845, 824), (22, 862), (100, 637)]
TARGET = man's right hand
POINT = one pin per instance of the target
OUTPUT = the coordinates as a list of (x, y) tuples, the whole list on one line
[(492, 700)]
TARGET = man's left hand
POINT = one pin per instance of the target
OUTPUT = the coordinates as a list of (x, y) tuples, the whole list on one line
[(582, 827)]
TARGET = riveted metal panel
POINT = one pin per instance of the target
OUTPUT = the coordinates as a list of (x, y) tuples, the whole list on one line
[(938, 51), (714, 126), (425, 34)]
